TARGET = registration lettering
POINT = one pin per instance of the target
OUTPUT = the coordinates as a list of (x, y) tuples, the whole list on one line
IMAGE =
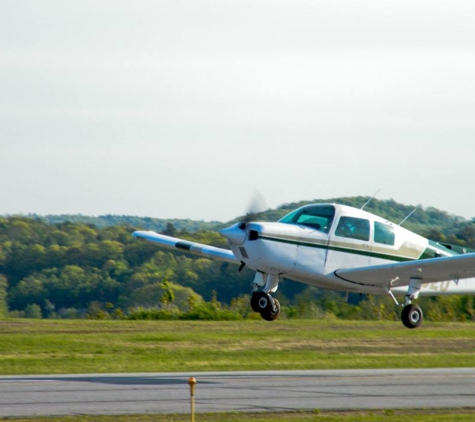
[(440, 286)]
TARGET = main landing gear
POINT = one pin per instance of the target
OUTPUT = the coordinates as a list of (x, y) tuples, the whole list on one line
[(266, 305), (411, 315)]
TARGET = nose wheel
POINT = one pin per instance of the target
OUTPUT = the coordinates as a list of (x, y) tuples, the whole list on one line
[(266, 305)]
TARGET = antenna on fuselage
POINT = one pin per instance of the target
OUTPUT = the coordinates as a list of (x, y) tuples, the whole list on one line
[(412, 212), (370, 199)]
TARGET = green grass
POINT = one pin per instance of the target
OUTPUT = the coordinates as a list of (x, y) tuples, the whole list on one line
[(409, 415), (55, 346)]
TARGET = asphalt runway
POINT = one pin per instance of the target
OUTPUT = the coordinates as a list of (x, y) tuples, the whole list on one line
[(236, 391)]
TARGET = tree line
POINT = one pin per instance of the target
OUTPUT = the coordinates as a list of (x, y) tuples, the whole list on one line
[(71, 269)]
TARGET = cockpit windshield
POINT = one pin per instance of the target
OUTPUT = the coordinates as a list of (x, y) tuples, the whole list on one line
[(318, 217)]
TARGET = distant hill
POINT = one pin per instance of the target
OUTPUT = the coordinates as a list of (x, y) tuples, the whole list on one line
[(145, 223), (430, 222), (66, 264)]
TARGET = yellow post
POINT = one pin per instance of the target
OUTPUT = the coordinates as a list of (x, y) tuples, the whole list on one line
[(192, 382)]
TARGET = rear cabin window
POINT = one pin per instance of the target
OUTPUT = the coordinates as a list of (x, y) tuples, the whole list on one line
[(353, 228), (383, 234)]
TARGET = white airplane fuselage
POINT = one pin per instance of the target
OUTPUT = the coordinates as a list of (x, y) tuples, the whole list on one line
[(309, 255)]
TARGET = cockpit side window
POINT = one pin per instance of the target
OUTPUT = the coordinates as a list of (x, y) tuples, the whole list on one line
[(354, 228), (317, 217), (383, 233)]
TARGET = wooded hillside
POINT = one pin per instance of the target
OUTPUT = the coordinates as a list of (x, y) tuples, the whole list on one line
[(53, 267)]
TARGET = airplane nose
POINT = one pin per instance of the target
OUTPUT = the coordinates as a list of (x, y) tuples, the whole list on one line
[(235, 234)]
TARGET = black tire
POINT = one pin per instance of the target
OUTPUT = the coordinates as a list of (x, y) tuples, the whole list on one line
[(261, 302), (272, 314), (255, 302), (412, 316)]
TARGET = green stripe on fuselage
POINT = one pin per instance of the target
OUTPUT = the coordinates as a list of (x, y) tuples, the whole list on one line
[(350, 250)]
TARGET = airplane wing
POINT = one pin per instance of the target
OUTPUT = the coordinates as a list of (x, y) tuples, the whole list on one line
[(398, 274), (187, 246)]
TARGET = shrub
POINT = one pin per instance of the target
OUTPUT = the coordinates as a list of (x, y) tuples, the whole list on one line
[(208, 311), (153, 314), (33, 311)]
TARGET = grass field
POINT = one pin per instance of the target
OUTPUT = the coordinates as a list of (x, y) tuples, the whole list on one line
[(56, 346), (407, 415)]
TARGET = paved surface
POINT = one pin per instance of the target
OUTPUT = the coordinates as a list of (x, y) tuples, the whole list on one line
[(236, 391)]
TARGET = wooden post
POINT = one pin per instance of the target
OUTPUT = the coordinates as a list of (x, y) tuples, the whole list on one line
[(192, 382)]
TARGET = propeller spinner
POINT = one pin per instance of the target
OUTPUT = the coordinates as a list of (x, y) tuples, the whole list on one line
[(236, 234)]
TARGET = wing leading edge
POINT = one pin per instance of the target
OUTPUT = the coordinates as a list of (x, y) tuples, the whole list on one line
[(399, 274), (187, 246)]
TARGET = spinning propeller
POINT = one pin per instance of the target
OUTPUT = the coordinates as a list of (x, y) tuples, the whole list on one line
[(236, 234)]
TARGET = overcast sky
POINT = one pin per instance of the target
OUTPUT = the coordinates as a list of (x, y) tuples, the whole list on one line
[(183, 109)]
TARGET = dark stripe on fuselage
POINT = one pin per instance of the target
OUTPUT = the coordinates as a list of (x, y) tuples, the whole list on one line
[(184, 245), (339, 249)]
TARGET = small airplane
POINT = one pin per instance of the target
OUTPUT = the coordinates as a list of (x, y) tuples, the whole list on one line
[(341, 248)]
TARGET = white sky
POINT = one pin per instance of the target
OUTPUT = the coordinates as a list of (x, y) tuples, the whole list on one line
[(182, 109)]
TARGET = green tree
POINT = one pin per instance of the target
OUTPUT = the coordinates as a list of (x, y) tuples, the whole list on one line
[(3, 296), (168, 296), (33, 311)]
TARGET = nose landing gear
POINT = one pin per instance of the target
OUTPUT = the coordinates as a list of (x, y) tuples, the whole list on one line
[(266, 305)]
